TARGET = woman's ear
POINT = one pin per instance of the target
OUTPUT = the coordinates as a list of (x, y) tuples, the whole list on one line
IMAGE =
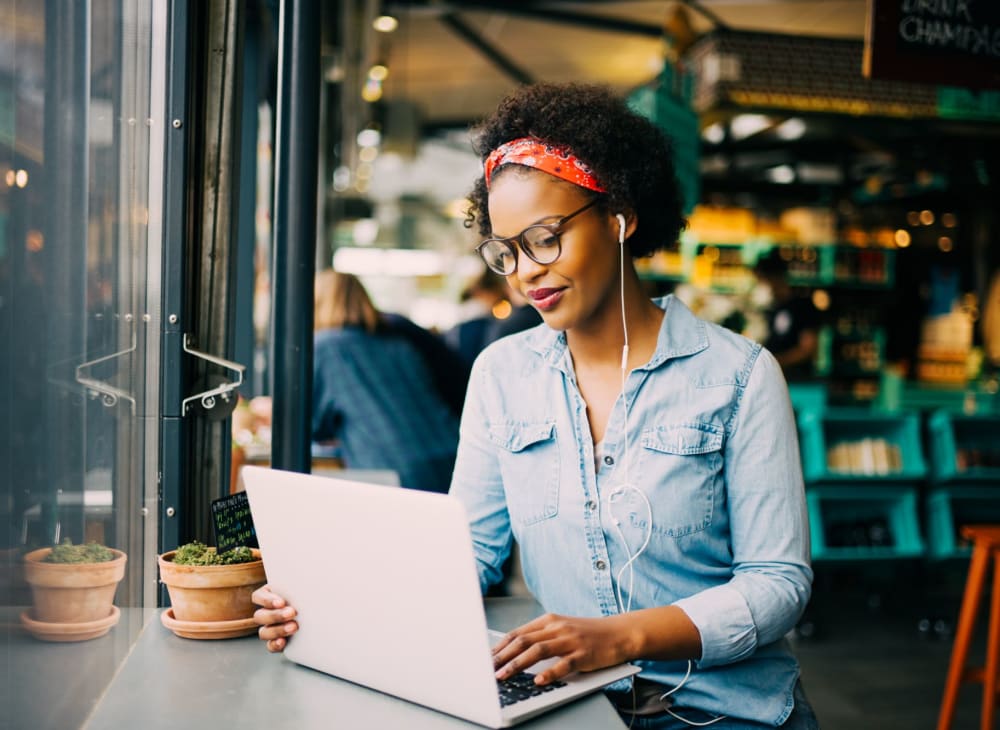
[(625, 225)]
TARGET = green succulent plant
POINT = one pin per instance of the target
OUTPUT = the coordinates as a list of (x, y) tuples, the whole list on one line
[(67, 552), (196, 553)]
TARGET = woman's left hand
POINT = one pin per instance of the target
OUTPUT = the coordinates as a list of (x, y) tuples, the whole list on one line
[(582, 645)]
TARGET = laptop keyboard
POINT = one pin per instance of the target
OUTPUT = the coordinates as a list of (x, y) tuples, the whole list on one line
[(522, 686)]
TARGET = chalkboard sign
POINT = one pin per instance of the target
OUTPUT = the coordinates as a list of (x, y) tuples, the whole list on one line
[(233, 522), (937, 42)]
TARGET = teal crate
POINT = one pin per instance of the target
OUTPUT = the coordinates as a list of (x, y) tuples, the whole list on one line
[(864, 523), (964, 448), (898, 394), (949, 508), (860, 445), (807, 397)]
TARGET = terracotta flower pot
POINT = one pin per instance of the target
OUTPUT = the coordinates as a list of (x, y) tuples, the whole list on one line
[(211, 592), (72, 592)]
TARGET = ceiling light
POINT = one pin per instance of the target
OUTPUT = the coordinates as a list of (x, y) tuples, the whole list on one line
[(902, 238), (21, 178), (927, 217), (790, 129), (369, 137), (945, 244), (341, 178), (372, 90), (949, 220), (385, 23), (378, 72)]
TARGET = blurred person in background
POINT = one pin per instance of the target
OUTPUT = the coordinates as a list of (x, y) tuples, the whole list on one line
[(494, 310), (373, 392), (449, 372), (792, 320)]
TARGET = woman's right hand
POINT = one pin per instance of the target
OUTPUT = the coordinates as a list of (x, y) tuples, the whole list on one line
[(274, 618)]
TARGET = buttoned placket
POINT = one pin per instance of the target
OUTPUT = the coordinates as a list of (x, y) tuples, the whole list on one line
[(598, 481)]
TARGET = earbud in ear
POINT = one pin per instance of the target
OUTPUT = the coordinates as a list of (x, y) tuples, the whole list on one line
[(621, 228)]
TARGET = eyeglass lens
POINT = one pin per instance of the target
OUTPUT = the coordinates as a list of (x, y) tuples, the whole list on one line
[(540, 242)]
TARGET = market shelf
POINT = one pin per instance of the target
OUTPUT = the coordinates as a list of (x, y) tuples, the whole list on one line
[(864, 522), (855, 445), (948, 508), (808, 397), (964, 448)]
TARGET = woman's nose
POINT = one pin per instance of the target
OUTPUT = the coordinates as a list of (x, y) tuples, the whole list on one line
[(528, 270)]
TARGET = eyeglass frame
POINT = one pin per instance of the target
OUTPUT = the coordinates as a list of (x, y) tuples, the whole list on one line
[(553, 229)]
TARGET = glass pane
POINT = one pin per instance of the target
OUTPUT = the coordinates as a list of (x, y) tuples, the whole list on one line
[(80, 143)]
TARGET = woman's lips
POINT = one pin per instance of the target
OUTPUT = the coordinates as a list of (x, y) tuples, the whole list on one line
[(545, 299)]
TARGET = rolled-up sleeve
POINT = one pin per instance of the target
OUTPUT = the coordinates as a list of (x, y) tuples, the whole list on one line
[(772, 577)]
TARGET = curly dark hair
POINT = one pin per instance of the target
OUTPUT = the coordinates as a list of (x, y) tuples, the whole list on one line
[(627, 153)]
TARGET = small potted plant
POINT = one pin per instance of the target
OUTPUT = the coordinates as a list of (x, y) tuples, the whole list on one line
[(210, 591), (73, 590)]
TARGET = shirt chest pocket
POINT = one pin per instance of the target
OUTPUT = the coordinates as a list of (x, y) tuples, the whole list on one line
[(529, 464), (681, 472)]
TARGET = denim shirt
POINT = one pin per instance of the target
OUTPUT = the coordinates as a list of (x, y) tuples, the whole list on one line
[(710, 441)]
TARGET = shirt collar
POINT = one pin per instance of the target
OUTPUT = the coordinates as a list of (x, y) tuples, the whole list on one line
[(681, 334)]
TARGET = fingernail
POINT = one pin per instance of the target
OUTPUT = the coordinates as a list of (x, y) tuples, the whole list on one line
[(289, 627), (288, 612)]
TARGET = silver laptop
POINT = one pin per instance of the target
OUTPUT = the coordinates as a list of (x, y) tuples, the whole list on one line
[(385, 585)]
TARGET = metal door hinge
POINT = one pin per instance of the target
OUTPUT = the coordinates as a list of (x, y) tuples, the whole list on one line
[(209, 399)]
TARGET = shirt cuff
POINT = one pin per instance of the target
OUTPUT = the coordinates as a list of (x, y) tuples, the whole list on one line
[(725, 623)]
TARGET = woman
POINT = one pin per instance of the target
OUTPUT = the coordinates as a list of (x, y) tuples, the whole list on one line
[(645, 461), (373, 393)]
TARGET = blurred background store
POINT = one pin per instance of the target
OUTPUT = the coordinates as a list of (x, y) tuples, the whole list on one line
[(143, 246)]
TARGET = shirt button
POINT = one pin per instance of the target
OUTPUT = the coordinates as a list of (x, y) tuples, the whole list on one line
[(591, 504), (609, 460), (600, 565)]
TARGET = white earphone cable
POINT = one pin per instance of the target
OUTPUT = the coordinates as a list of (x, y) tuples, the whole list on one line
[(626, 605)]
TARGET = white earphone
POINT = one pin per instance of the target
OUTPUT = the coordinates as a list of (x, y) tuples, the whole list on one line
[(625, 487)]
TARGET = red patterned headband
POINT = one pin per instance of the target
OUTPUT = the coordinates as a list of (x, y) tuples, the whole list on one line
[(531, 152)]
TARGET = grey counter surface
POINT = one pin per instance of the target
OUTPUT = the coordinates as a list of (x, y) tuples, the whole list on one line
[(57, 685), (169, 683)]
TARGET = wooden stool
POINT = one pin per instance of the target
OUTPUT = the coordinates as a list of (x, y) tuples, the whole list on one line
[(985, 545)]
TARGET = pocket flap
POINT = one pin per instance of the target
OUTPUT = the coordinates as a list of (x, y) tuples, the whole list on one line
[(683, 438), (519, 436)]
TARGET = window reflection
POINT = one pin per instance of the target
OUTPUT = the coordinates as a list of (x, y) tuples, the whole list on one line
[(79, 323)]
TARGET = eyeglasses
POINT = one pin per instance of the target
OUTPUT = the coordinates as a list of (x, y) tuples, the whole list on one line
[(540, 243)]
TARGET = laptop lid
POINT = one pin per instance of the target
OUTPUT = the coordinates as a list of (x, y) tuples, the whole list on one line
[(385, 585)]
